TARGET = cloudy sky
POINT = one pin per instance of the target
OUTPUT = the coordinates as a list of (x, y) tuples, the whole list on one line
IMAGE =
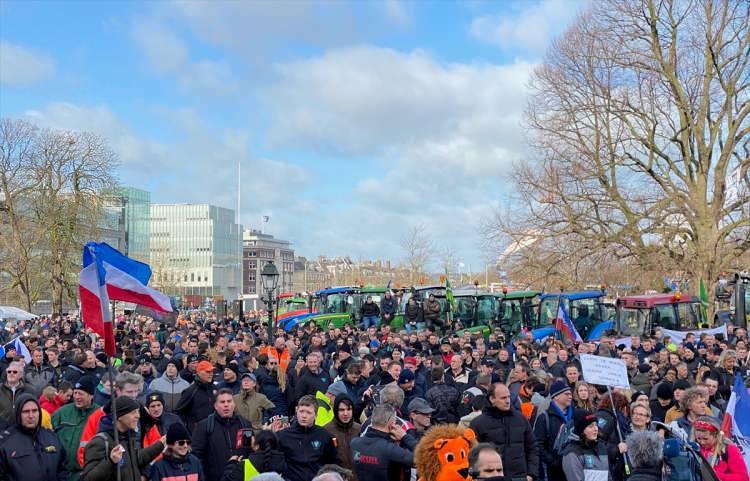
[(353, 121)]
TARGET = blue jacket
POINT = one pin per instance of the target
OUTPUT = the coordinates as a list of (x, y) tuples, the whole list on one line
[(172, 466)]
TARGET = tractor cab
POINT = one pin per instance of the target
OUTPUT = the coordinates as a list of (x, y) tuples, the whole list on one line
[(640, 315), (587, 311), (515, 310)]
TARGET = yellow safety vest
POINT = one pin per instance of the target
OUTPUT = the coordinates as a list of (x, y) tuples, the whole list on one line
[(325, 410), (250, 471)]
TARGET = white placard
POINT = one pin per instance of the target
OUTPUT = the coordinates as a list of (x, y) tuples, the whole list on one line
[(679, 336), (606, 371)]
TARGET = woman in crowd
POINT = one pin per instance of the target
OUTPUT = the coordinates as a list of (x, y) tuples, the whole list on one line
[(640, 417), (614, 427), (726, 368), (725, 458), (177, 460), (582, 396), (586, 457)]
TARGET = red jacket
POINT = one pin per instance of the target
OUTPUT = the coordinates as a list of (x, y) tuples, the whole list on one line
[(51, 406), (731, 466)]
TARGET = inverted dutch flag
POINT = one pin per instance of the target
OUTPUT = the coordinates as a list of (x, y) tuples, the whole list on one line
[(736, 423), (20, 347), (108, 274), (565, 325)]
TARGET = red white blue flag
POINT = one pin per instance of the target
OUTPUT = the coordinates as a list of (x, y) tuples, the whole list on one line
[(565, 325), (108, 274), (736, 423)]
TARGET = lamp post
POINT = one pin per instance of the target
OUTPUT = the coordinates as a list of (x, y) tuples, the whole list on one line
[(270, 278)]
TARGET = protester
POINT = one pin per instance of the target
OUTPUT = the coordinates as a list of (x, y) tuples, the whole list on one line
[(70, 420), (486, 463), (170, 385), (250, 404), (196, 401), (178, 462), (510, 433), (385, 451), (11, 389), (343, 428), (266, 457), (214, 438), (29, 452), (306, 446), (722, 455), (645, 454), (586, 457), (547, 427), (104, 457)]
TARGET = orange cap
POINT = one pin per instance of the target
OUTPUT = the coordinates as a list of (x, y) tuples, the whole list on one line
[(205, 366)]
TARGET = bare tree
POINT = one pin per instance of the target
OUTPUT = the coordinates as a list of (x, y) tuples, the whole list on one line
[(639, 114), (418, 251), (54, 188)]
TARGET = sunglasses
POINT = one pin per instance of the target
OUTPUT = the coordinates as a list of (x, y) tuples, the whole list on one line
[(11, 372), (183, 443)]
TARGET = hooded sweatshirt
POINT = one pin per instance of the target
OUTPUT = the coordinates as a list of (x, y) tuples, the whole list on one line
[(343, 432), (170, 388)]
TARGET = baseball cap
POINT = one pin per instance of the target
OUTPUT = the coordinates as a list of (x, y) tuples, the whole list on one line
[(205, 366), (410, 360), (406, 376)]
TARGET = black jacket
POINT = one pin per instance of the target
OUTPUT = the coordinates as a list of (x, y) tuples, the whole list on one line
[(412, 313), (214, 442), (173, 467), (369, 309), (310, 383), (306, 451), (31, 455), (378, 458), (388, 306), (546, 428), (511, 433), (646, 474), (444, 399), (268, 385), (196, 403)]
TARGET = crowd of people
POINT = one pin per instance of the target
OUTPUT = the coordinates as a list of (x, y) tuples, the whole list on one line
[(210, 399)]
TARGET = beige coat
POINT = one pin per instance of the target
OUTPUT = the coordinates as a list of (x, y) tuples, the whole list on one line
[(250, 405)]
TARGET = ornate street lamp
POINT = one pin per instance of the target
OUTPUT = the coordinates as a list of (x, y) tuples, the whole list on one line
[(270, 278)]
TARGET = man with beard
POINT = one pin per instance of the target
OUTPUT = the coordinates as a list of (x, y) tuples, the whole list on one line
[(343, 428)]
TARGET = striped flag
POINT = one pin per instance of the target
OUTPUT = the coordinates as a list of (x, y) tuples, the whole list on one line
[(565, 325), (736, 423)]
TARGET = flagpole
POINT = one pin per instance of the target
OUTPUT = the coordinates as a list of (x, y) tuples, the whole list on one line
[(557, 311), (110, 366)]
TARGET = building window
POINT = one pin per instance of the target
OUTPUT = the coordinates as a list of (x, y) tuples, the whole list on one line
[(253, 253), (252, 265), (192, 277)]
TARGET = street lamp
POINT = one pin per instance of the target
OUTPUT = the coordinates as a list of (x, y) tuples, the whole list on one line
[(270, 278)]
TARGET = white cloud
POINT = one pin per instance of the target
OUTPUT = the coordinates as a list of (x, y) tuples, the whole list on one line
[(528, 30), (369, 100), (22, 66), (168, 54)]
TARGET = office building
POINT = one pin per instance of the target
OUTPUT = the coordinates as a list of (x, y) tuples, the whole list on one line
[(195, 251), (258, 250)]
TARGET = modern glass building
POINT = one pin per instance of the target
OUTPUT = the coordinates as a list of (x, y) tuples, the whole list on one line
[(196, 250), (137, 209)]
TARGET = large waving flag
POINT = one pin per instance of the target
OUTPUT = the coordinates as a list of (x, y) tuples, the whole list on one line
[(736, 424), (565, 325), (108, 274)]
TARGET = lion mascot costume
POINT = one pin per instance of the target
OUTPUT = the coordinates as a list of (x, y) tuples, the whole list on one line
[(443, 454)]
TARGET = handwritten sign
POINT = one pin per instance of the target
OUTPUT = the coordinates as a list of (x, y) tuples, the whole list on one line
[(605, 371)]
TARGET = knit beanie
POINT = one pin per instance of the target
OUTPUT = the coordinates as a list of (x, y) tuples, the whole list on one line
[(664, 391), (558, 387), (177, 432), (125, 405), (581, 420)]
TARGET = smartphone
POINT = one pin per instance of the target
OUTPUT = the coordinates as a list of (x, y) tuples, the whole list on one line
[(284, 419), (244, 438)]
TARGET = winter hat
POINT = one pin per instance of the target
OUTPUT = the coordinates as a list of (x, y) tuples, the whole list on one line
[(644, 368), (581, 420), (345, 348), (155, 397), (233, 367), (558, 387), (205, 366), (336, 389), (410, 360), (664, 391), (87, 384), (681, 384), (173, 362), (101, 357), (177, 432), (636, 395), (405, 376), (126, 405)]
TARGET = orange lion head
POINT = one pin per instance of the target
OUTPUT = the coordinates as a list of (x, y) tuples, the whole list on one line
[(443, 454)]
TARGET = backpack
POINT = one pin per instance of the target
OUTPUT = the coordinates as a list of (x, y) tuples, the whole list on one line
[(563, 437)]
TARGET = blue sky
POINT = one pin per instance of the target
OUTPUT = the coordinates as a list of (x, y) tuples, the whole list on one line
[(353, 121)]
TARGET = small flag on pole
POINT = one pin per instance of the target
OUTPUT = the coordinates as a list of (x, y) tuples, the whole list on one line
[(566, 326)]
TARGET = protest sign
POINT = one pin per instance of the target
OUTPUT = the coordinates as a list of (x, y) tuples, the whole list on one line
[(679, 336), (605, 371)]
